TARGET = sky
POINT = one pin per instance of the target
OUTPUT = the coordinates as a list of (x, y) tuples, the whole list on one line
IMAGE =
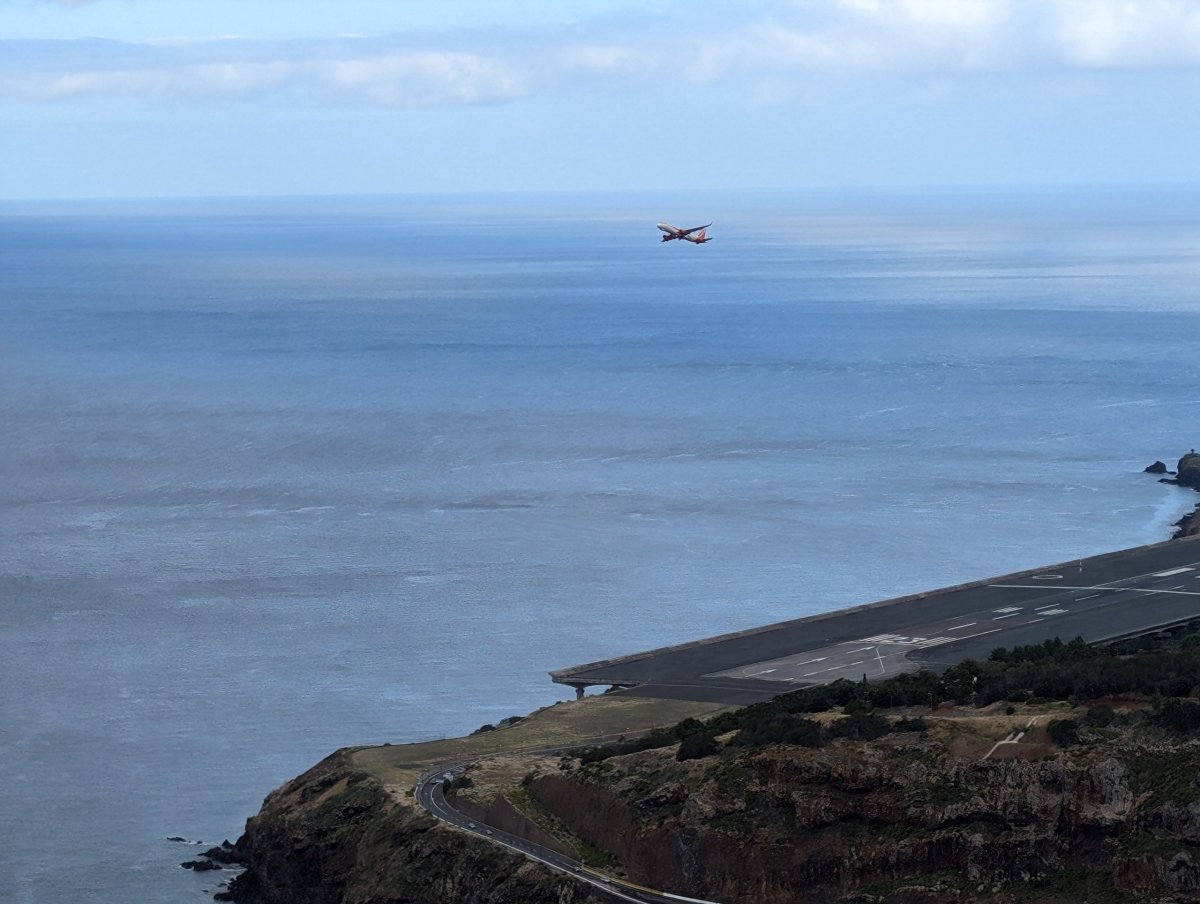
[(195, 98)]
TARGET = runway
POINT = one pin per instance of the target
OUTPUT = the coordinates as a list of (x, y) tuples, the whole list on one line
[(1104, 597)]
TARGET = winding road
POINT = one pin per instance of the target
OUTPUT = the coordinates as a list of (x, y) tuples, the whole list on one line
[(430, 796)]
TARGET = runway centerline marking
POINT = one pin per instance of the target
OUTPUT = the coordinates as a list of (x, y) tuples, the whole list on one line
[(1009, 615), (960, 627)]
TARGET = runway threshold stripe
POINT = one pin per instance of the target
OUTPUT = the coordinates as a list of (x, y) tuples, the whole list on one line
[(980, 634)]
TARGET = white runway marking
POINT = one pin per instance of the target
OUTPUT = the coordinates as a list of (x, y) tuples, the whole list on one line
[(960, 627), (901, 641), (980, 634), (832, 668), (1091, 597), (1008, 609), (1009, 615), (1033, 620), (1173, 571), (1051, 611)]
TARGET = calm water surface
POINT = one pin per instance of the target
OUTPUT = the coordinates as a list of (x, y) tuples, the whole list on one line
[(284, 476)]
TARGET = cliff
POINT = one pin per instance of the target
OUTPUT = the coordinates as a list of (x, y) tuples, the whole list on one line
[(335, 835), (1186, 474), (1105, 810), (905, 819), (914, 817)]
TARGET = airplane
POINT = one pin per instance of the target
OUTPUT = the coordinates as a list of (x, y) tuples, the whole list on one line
[(674, 232)]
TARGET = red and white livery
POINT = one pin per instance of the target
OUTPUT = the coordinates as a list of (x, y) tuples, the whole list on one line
[(695, 235)]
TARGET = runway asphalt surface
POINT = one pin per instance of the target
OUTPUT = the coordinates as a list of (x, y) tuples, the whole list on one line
[(1119, 594)]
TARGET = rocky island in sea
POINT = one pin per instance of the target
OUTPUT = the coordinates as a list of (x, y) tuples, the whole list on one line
[(1058, 772)]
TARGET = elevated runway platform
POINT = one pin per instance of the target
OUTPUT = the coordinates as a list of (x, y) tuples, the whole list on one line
[(1119, 594)]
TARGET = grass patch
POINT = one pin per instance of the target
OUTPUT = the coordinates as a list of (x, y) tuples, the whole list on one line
[(1166, 775), (570, 724), (585, 852)]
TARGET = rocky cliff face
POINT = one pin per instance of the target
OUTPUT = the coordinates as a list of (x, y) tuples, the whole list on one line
[(1186, 474), (890, 822), (336, 836)]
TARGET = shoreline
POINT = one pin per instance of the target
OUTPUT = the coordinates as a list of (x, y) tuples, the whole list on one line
[(380, 766)]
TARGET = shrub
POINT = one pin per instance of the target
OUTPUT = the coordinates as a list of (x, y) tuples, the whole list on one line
[(1181, 715), (697, 746), (861, 727), (1063, 732)]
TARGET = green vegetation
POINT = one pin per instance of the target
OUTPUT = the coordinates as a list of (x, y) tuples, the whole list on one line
[(697, 745), (1164, 670), (1166, 775), (532, 808)]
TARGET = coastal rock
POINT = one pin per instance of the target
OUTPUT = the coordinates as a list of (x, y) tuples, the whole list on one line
[(336, 835), (225, 853), (1188, 470), (1187, 474), (200, 866), (857, 821), (1188, 525)]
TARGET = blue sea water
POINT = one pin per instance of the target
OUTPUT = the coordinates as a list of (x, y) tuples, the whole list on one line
[(281, 476)]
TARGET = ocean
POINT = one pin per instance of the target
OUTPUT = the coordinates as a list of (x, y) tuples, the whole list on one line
[(283, 475)]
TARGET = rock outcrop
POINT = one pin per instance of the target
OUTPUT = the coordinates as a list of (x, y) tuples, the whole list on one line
[(888, 823), (901, 820), (1186, 474), (337, 836)]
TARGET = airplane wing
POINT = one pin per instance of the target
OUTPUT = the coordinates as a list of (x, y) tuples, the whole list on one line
[(694, 229)]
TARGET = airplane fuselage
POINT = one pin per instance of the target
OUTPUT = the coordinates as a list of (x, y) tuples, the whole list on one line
[(674, 232)]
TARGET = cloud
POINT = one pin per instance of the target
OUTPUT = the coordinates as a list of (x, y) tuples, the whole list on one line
[(949, 36), (412, 79), (757, 45), (606, 58), (1129, 33), (423, 79)]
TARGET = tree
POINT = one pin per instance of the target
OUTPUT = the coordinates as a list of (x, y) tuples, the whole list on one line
[(696, 746)]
